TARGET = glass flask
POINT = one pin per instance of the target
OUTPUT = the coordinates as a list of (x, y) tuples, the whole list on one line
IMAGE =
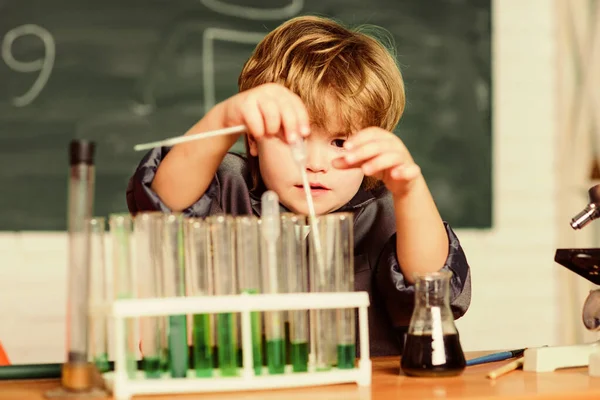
[(432, 347)]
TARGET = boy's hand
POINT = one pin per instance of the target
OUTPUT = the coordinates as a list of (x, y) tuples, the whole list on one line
[(380, 154), (269, 109)]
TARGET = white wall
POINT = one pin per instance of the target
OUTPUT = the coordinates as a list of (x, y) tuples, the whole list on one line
[(514, 276)]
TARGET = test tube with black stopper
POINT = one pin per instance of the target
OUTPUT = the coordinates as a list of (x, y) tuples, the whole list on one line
[(199, 282), (249, 274), (124, 279), (147, 227), (293, 260), (98, 294), (76, 371), (173, 264), (222, 243), (344, 280)]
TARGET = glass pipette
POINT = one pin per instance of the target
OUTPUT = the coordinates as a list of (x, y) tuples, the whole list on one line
[(270, 232)]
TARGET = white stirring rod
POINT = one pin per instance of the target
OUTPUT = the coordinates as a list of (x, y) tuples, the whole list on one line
[(188, 138), (299, 156)]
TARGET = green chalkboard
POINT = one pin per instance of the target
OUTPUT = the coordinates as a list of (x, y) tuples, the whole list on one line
[(121, 72)]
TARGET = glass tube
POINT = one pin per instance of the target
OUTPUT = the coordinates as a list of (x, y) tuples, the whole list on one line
[(293, 243), (124, 283), (248, 268), (344, 278), (223, 250), (270, 229), (76, 372), (199, 282), (322, 279), (147, 243), (98, 294), (173, 268)]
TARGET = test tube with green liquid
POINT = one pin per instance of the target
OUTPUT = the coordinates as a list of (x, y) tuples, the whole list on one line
[(322, 280), (124, 279), (98, 294), (173, 274), (293, 255), (222, 243), (344, 280), (248, 268), (147, 227), (270, 258), (199, 282)]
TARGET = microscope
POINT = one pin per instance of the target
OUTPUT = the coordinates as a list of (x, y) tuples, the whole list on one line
[(585, 263)]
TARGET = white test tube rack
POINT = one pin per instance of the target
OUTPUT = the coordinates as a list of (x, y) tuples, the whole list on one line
[(124, 388)]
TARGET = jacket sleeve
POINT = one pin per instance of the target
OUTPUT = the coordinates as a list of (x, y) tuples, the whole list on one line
[(398, 295), (227, 192)]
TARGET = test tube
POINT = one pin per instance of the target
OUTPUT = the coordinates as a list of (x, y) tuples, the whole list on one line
[(248, 268), (76, 371), (293, 243), (147, 227), (199, 282), (173, 273), (344, 278), (322, 279), (270, 257), (223, 248), (98, 294), (124, 282)]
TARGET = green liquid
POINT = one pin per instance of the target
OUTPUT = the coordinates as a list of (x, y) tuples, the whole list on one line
[(178, 348), (151, 366), (276, 356), (227, 353), (346, 353), (299, 356), (202, 345), (257, 348), (164, 360), (256, 342), (101, 362)]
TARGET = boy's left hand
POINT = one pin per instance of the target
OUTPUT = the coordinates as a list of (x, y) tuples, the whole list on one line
[(383, 155)]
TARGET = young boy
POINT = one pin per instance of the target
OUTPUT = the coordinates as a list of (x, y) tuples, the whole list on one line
[(342, 91)]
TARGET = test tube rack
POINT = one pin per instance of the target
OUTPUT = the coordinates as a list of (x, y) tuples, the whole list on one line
[(124, 388)]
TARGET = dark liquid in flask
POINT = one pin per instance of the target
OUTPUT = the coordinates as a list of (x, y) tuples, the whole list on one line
[(417, 359)]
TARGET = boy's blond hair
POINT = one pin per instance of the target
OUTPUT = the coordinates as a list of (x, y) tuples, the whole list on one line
[(320, 60)]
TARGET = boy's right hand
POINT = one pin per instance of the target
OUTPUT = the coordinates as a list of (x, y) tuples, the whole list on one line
[(270, 109)]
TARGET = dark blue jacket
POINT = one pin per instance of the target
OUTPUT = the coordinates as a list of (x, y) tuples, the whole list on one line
[(376, 268)]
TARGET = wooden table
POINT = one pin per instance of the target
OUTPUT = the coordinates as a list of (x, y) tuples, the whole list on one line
[(389, 383)]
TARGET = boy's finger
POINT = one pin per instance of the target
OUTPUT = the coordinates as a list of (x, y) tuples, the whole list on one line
[(362, 137), (289, 121), (365, 152), (406, 172), (271, 116), (381, 163), (341, 163), (303, 120), (253, 119)]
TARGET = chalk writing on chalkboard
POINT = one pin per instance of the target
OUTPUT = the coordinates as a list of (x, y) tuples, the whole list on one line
[(44, 65)]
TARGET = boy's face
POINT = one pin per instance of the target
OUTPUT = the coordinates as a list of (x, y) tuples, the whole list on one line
[(331, 188)]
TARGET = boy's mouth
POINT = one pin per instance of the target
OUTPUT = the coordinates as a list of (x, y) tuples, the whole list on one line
[(315, 188)]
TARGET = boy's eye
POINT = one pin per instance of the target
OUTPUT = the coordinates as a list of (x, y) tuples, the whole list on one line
[(338, 142)]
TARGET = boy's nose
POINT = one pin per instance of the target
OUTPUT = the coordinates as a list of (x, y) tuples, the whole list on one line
[(315, 159)]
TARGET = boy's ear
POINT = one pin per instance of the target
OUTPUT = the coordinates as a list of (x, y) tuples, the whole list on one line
[(252, 146)]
